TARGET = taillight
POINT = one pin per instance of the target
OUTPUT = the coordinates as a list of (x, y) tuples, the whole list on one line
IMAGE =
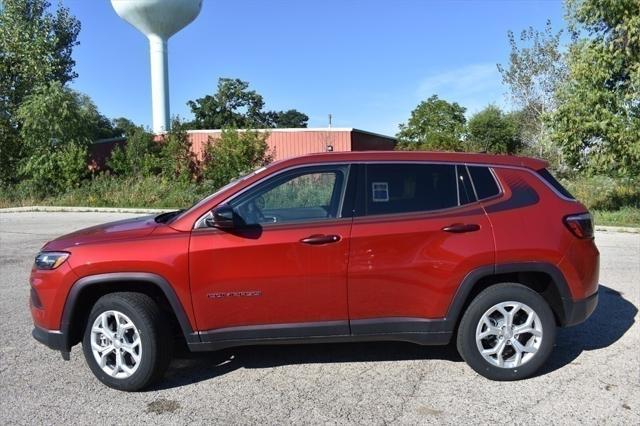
[(580, 225)]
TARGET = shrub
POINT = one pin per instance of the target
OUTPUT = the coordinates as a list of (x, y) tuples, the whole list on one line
[(140, 156), (233, 154), (604, 192), (176, 160)]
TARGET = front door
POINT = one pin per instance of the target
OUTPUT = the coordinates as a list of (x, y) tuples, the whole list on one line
[(283, 273)]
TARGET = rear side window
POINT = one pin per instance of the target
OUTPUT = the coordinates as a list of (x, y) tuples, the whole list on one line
[(546, 175), (483, 182), (403, 188)]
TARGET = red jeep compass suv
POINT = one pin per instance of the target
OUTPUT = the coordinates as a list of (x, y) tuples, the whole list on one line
[(421, 247)]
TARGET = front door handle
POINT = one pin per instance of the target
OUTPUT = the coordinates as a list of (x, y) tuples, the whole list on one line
[(320, 239), (458, 228)]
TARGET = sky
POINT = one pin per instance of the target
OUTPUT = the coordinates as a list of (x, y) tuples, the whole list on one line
[(369, 63)]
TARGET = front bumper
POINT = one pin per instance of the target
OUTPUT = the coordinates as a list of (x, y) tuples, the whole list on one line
[(577, 311), (53, 339)]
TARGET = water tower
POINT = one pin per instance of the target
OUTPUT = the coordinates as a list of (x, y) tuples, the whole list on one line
[(158, 20)]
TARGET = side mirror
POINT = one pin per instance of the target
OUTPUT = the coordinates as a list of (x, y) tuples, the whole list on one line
[(222, 217)]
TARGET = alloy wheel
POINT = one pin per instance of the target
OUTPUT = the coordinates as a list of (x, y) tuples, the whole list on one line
[(116, 344), (509, 334)]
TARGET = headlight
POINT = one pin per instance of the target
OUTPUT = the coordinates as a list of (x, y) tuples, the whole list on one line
[(50, 259)]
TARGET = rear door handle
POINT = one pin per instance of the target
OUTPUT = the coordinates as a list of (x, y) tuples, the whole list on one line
[(458, 228), (320, 239)]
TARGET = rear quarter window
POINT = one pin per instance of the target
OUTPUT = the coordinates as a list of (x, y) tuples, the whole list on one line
[(483, 182), (551, 180)]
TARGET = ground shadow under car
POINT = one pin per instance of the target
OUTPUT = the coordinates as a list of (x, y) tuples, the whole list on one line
[(612, 318)]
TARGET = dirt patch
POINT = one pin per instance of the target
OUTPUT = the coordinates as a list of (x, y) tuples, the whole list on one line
[(162, 406), (428, 411)]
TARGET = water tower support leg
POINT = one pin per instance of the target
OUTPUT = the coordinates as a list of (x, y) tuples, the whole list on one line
[(159, 84)]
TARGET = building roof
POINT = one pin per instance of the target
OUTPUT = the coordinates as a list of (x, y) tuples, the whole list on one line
[(303, 129)]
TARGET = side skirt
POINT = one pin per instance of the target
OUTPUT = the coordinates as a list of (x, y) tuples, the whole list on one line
[(413, 330)]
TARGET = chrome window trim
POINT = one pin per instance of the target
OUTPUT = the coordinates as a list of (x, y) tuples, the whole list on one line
[(553, 188), (350, 162)]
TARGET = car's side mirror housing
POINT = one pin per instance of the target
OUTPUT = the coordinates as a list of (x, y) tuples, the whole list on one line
[(222, 217)]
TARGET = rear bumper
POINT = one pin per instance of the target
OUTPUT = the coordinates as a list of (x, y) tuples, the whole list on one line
[(577, 311), (54, 339)]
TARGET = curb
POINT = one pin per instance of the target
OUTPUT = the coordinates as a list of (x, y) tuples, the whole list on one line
[(628, 229), (82, 209)]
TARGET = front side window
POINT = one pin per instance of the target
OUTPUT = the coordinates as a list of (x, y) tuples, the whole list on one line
[(404, 188), (311, 194)]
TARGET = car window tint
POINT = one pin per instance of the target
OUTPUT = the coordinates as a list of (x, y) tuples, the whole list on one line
[(546, 175), (401, 188), (311, 195), (483, 182), (465, 189)]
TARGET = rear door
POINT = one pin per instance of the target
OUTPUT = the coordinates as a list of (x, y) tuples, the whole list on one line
[(418, 231)]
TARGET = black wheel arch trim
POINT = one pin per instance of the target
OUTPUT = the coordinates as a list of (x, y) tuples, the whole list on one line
[(471, 279), (115, 277)]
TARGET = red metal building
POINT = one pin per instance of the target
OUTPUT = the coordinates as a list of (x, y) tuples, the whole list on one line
[(286, 143), (283, 143)]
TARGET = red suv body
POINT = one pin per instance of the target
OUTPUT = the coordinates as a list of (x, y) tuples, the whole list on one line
[(332, 247)]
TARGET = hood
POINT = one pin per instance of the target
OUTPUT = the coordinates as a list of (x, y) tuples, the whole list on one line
[(122, 229)]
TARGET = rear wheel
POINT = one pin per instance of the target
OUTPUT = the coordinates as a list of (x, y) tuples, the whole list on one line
[(507, 332), (127, 343)]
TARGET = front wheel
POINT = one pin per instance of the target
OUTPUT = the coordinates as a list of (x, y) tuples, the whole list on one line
[(507, 332), (126, 341)]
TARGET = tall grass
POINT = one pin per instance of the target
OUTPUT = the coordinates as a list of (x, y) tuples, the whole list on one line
[(109, 191), (605, 193)]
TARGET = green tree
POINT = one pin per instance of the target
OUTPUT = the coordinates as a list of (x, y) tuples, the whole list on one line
[(534, 72), (123, 126), (234, 105), (55, 139), (435, 124), (287, 119), (98, 126), (492, 130), (233, 154), (35, 49), (597, 122)]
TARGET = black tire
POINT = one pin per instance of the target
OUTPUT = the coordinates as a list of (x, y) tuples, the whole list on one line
[(499, 293), (155, 339)]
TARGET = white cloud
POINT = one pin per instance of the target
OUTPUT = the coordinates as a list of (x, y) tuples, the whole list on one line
[(472, 86)]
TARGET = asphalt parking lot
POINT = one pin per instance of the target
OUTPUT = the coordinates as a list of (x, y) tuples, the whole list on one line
[(593, 375)]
